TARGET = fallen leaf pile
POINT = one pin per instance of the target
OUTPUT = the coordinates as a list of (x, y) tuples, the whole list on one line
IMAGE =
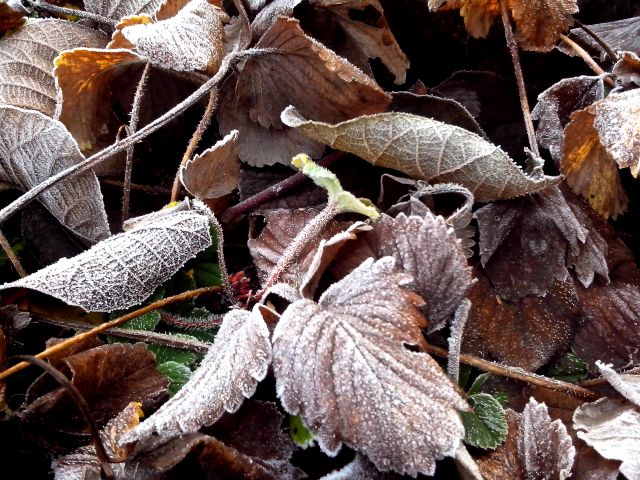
[(325, 239)]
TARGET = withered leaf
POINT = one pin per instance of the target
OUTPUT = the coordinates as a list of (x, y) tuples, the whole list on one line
[(26, 61), (33, 147), (528, 244), (125, 269), (612, 428), (425, 149), (215, 172), (342, 365), (545, 448), (361, 469), (116, 9), (231, 370), (10, 18), (626, 384), (425, 248), (192, 40), (557, 103), (503, 463), (109, 377), (526, 333), (622, 35)]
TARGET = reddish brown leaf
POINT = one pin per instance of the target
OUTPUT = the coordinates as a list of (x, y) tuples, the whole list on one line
[(10, 18), (503, 463)]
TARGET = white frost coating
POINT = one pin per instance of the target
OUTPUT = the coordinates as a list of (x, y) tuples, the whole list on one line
[(235, 363), (192, 40), (455, 339), (125, 269), (34, 147), (116, 9), (626, 384), (544, 447), (612, 428), (343, 366)]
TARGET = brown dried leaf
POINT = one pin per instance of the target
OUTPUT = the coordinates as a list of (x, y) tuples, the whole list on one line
[(627, 70), (109, 377), (526, 333), (215, 172), (231, 370), (116, 9), (528, 244), (612, 428), (33, 147), (26, 61), (192, 40), (342, 365), (544, 447), (10, 18), (368, 41), (503, 463), (118, 40), (425, 149)]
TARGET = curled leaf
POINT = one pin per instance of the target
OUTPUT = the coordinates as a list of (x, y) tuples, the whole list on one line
[(359, 384), (231, 370), (33, 147), (215, 172), (125, 269), (425, 149)]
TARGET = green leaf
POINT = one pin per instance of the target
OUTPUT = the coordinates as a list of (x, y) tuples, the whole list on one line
[(168, 354), (146, 322), (569, 368), (207, 274), (299, 432), (478, 383), (178, 373), (485, 427)]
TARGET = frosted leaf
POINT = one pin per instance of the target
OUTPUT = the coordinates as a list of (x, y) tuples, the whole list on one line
[(361, 469), (33, 147), (270, 13), (192, 40), (425, 149), (612, 428), (26, 61), (215, 172), (116, 9), (342, 365), (544, 447), (626, 384), (125, 269), (231, 370), (620, 35)]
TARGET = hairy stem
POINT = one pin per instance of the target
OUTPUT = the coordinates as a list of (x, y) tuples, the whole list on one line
[(133, 125), (195, 139), (6, 246), (47, 7), (274, 191), (587, 59), (108, 325), (226, 284), (522, 92), (118, 146), (518, 374)]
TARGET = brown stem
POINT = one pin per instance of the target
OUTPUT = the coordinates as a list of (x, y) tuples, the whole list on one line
[(587, 59), (137, 187), (6, 246), (113, 323), (195, 139), (47, 7), (118, 146), (133, 125), (274, 191), (604, 45), (518, 374), (522, 92), (596, 382)]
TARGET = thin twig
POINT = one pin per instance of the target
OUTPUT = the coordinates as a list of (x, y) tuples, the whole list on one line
[(47, 7), (518, 374), (274, 191), (82, 405), (163, 339), (587, 59), (133, 125), (59, 347), (137, 187), (604, 45), (118, 146), (195, 139), (522, 92), (15, 261)]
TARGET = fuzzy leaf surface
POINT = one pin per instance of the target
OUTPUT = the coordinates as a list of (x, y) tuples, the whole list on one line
[(231, 370), (125, 269), (116, 9), (485, 427), (425, 149), (33, 147), (358, 384)]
